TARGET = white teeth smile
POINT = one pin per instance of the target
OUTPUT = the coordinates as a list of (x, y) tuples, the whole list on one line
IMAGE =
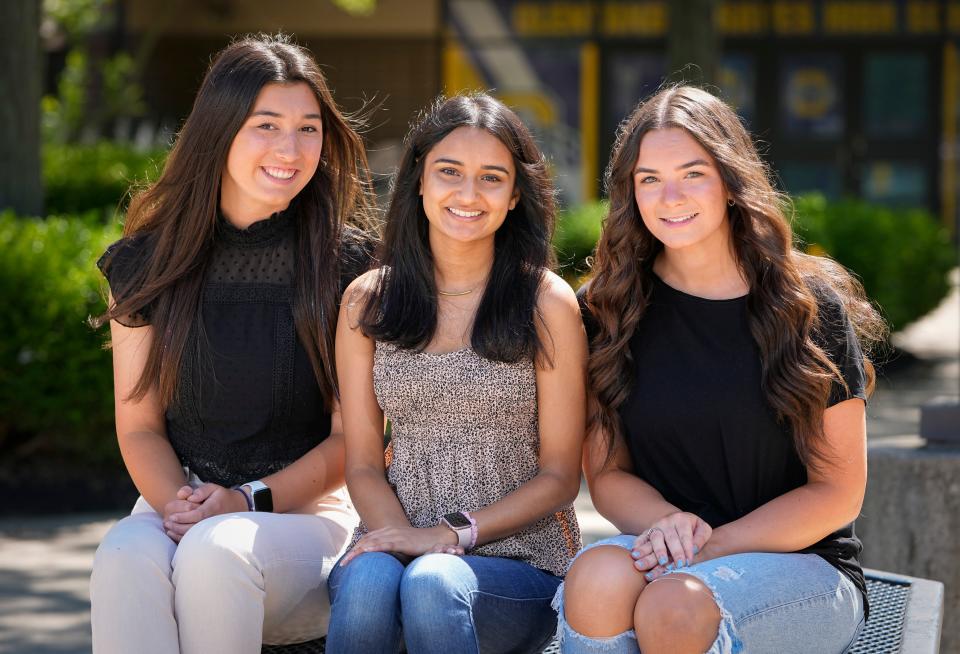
[(680, 219), (280, 173), (464, 214)]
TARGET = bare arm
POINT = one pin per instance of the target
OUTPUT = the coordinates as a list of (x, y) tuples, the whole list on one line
[(561, 407), (315, 474), (375, 500), (831, 498), (141, 429), (627, 501)]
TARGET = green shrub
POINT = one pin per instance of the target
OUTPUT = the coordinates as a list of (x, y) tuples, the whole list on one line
[(578, 229), (902, 256), (56, 389), (81, 178)]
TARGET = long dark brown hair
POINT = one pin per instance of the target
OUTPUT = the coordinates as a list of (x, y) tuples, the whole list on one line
[(178, 213), (403, 307), (784, 283)]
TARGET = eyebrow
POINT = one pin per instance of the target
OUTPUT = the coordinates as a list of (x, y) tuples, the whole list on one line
[(460, 163), (274, 114), (689, 164)]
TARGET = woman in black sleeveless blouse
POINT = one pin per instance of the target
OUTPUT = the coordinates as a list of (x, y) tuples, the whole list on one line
[(224, 296), (728, 436)]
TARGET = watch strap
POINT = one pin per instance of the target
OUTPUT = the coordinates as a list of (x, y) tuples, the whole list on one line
[(473, 531), (246, 495)]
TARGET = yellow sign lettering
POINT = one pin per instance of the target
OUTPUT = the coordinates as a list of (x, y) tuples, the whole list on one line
[(859, 17), (742, 18), (790, 17), (552, 19), (633, 19)]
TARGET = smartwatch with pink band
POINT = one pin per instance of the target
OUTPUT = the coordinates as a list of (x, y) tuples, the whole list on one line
[(464, 526)]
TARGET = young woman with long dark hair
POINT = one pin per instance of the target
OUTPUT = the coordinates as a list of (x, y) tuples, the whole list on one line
[(225, 292), (476, 353), (727, 439)]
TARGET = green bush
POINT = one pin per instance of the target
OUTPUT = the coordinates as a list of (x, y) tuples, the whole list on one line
[(81, 178), (902, 256), (578, 229), (56, 388)]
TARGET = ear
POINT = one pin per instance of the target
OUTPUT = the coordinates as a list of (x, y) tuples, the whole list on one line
[(515, 199)]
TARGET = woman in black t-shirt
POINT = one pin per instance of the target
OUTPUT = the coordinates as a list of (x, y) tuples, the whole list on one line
[(728, 438), (224, 295)]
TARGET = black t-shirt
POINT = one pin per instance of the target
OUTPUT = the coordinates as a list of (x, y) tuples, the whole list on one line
[(247, 401), (697, 424)]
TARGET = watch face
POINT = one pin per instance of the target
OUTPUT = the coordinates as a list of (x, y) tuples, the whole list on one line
[(263, 500), (457, 520)]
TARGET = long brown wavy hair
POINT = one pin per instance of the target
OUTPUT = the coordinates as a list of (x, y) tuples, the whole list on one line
[(178, 213), (784, 283)]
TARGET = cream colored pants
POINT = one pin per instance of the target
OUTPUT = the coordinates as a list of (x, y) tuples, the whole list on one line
[(234, 581)]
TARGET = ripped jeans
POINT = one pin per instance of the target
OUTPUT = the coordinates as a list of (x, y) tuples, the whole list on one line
[(780, 603)]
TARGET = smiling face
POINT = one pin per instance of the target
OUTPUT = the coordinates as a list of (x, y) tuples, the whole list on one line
[(468, 185), (274, 155), (679, 191)]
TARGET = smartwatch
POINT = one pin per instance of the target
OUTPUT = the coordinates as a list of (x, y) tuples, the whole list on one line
[(462, 526), (260, 494)]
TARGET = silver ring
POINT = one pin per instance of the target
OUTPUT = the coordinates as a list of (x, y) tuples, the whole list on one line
[(649, 531)]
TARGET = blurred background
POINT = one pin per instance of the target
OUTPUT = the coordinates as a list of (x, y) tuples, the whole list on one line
[(856, 106)]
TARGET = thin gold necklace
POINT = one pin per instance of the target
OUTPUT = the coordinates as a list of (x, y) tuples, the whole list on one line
[(462, 293)]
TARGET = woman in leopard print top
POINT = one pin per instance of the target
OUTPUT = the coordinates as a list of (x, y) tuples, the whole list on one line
[(475, 352)]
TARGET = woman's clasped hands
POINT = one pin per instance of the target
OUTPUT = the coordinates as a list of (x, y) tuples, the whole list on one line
[(671, 543), (194, 504)]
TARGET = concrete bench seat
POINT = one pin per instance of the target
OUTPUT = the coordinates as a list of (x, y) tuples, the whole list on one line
[(906, 614)]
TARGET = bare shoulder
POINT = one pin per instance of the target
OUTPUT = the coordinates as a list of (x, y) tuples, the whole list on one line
[(357, 294), (557, 301), (560, 325)]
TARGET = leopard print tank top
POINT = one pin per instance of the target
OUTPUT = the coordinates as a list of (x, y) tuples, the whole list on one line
[(464, 435)]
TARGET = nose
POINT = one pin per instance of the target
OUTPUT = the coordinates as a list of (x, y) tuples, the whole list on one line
[(467, 190), (288, 146), (672, 194)]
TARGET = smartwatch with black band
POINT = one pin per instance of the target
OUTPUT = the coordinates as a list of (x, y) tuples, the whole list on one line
[(260, 493)]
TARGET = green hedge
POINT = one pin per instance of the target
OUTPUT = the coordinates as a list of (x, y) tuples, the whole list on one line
[(56, 387), (902, 256), (81, 178), (578, 230)]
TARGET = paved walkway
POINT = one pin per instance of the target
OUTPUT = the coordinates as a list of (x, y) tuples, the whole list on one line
[(45, 562)]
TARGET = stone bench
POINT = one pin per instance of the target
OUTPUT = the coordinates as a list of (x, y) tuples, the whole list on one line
[(906, 614)]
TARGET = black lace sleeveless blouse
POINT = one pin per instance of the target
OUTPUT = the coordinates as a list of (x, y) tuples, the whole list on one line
[(247, 403)]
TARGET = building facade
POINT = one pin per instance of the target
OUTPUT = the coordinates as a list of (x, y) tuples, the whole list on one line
[(847, 97)]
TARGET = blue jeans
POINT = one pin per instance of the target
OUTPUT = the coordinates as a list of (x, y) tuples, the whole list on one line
[(785, 603), (439, 603)]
